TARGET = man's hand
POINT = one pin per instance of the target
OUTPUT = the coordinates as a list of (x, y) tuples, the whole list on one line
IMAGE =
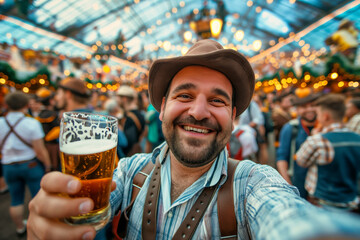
[(51, 204)]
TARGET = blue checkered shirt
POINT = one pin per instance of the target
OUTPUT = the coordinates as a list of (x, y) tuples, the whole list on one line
[(273, 208)]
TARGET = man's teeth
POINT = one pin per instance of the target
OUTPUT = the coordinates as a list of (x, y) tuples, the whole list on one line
[(187, 128)]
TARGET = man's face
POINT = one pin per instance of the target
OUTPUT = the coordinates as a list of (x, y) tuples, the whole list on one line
[(286, 102), (198, 115), (34, 105), (60, 99), (351, 110), (307, 112), (122, 101)]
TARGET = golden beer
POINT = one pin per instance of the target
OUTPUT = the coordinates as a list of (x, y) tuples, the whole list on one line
[(92, 161)]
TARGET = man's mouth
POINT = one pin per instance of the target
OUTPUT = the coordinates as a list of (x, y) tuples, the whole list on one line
[(197, 130)]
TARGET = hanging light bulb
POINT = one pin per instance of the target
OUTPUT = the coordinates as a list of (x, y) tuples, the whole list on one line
[(257, 45), (215, 27), (239, 35), (187, 36)]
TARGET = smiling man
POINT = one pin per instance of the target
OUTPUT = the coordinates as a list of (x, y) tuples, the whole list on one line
[(198, 96)]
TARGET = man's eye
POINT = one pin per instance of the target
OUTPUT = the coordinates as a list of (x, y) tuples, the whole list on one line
[(184, 96), (218, 101)]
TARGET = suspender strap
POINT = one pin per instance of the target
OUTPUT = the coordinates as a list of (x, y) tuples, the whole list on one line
[(138, 182), (225, 204), (151, 203), (135, 119), (12, 130), (192, 219)]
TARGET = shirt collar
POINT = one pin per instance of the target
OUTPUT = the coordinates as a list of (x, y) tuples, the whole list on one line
[(14, 114), (333, 127)]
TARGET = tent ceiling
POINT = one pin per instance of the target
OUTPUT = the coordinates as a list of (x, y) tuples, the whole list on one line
[(146, 24)]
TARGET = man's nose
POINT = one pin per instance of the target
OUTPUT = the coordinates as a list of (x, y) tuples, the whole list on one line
[(200, 108)]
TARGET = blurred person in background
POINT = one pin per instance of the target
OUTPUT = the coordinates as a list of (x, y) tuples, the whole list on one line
[(269, 129), (24, 155), (353, 114), (3, 186), (253, 117), (97, 101), (73, 95), (281, 113), (113, 109), (34, 107), (134, 121), (155, 135), (292, 135), (242, 144), (332, 154), (49, 119)]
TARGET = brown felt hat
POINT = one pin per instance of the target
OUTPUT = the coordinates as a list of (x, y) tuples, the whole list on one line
[(75, 86), (210, 54)]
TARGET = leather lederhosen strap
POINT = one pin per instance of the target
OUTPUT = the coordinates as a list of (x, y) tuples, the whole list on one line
[(151, 203), (192, 219), (225, 203), (12, 130), (121, 220)]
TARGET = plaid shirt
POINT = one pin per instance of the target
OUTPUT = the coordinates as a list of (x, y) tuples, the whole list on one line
[(273, 208), (354, 123), (317, 150)]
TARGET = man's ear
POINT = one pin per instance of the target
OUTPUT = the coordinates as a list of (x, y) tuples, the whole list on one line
[(161, 115), (327, 115)]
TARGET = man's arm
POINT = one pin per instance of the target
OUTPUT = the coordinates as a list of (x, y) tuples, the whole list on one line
[(42, 153), (274, 210), (283, 152)]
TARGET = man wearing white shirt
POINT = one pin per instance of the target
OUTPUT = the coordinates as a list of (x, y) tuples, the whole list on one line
[(22, 146)]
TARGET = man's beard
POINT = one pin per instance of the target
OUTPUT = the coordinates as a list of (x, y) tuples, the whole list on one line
[(310, 120), (189, 157)]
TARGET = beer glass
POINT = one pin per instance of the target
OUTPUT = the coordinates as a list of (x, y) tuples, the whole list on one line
[(87, 150)]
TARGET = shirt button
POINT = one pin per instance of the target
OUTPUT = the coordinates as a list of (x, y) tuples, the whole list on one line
[(170, 214)]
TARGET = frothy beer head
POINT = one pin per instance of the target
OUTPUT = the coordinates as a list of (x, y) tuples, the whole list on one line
[(87, 146)]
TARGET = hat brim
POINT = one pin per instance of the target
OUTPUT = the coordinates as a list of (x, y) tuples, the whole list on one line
[(305, 100), (229, 62)]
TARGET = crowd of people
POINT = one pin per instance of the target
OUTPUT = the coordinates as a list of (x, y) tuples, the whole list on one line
[(191, 128)]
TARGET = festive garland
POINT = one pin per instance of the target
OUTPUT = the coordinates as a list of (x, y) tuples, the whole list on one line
[(337, 61), (337, 70)]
